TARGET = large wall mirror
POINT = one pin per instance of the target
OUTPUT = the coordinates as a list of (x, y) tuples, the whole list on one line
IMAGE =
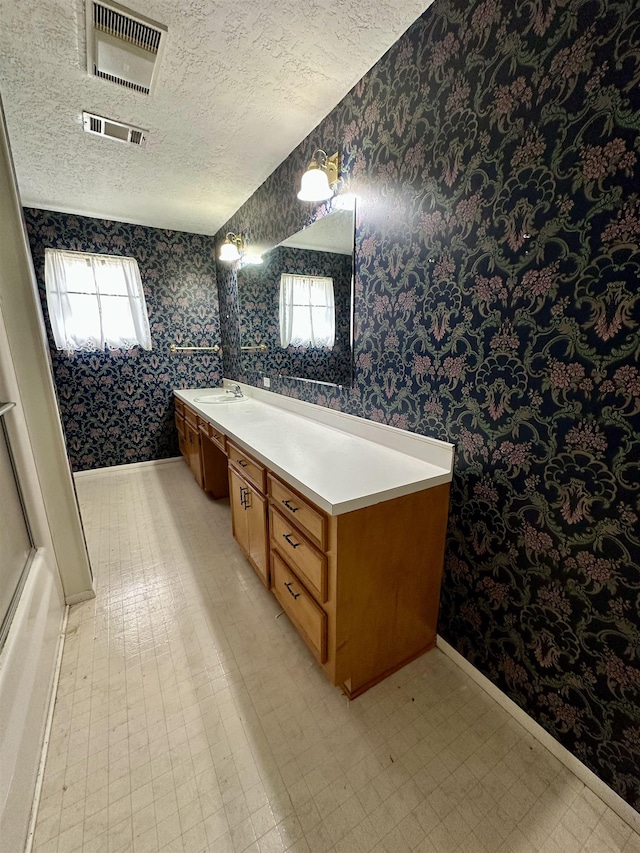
[(296, 308)]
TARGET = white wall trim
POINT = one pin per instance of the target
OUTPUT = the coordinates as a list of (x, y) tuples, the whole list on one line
[(599, 788), (47, 734), (79, 597), (117, 469)]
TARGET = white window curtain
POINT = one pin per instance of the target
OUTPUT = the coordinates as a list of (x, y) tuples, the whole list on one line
[(95, 301), (307, 311)]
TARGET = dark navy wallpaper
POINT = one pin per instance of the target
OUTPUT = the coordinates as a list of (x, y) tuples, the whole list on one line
[(494, 152), (117, 405), (258, 303)]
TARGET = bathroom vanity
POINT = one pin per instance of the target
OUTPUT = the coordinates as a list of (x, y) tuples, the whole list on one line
[(343, 519)]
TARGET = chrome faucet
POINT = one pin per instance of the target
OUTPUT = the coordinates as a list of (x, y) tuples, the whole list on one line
[(236, 390)]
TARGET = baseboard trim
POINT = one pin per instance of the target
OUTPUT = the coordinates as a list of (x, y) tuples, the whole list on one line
[(130, 466), (47, 735), (79, 597), (588, 777)]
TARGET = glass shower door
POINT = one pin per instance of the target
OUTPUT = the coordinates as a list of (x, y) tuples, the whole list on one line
[(16, 543)]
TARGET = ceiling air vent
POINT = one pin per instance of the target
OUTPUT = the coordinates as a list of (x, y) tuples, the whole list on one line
[(123, 47), (100, 126)]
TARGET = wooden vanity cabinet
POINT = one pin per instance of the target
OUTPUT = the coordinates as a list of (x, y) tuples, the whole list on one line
[(363, 588), (249, 510)]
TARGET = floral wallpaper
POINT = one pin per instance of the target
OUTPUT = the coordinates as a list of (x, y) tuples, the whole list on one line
[(258, 298), (495, 155), (117, 405)]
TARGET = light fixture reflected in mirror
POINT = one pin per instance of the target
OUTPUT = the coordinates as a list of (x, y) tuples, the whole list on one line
[(230, 249), (321, 175), (344, 201), (249, 258)]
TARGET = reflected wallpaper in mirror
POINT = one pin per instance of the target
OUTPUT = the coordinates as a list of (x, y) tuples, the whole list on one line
[(324, 248)]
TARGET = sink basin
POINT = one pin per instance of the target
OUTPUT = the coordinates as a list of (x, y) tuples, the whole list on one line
[(220, 397)]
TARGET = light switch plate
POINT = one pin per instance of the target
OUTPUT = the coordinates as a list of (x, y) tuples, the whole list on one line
[(266, 382)]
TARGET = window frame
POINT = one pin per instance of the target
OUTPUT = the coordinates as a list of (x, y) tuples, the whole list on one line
[(97, 326)]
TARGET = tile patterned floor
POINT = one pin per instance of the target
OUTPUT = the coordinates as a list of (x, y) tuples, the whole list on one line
[(190, 717)]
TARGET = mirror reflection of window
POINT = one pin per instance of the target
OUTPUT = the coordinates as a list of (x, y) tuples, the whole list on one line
[(307, 311), (325, 247)]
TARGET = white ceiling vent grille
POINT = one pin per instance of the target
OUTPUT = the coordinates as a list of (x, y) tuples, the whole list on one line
[(123, 47), (100, 126)]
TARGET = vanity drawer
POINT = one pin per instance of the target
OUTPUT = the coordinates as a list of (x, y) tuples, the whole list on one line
[(179, 405), (309, 563), (179, 423), (191, 417), (306, 615), (214, 435), (218, 437), (309, 519), (250, 469)]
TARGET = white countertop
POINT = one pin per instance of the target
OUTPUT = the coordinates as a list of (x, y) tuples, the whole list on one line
[(337, 470)]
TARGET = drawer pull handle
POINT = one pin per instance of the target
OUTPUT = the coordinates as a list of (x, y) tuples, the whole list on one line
[(287, 536), (288, 586), (217, 437), (242, 463), (290, 506)]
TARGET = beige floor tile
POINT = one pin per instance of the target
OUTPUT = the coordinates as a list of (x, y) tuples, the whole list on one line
[(190, 717)]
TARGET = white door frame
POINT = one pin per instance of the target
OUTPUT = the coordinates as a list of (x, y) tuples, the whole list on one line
[(38, 444)]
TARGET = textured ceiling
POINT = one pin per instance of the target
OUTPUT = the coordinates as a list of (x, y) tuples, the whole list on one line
[(240, 85)]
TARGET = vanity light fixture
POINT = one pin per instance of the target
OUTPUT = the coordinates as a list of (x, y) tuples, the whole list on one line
[(321, 174), (230, 249)]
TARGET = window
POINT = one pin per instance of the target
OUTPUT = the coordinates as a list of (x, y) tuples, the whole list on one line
[(307, 311), (95, 301)]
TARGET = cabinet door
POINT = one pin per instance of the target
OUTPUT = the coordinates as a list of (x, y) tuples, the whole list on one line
[(249, 523), (182, 438), (239, 522), (188, 443), (193, 451), (183, 444), (258, 542), (196, 462)]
